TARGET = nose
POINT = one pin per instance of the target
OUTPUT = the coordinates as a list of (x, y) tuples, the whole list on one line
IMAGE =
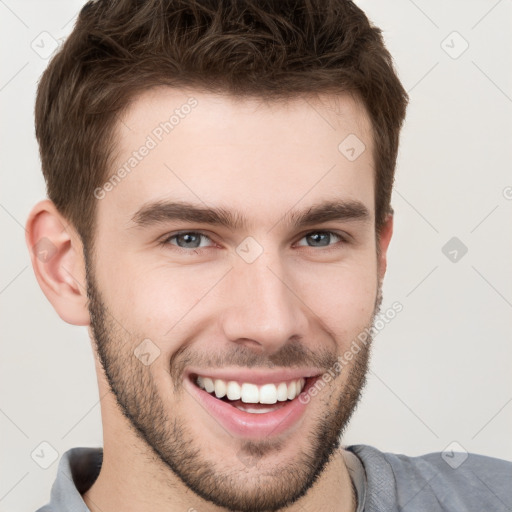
[(263, 311)]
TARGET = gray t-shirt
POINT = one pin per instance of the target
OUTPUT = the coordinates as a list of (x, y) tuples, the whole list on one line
[(384, 482)]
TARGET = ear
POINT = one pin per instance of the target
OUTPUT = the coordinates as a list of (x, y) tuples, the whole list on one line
[(383, 243), (56, 252)]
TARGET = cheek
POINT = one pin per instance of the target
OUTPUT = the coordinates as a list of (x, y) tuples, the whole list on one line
[(156, 300), (342, 296)]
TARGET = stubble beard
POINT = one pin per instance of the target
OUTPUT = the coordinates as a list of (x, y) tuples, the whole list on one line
[(243, 489)]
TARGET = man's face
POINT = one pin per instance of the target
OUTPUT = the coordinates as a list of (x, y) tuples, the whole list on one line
[(270, 291)]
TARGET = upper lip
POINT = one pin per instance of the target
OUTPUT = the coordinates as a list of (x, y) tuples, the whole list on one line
[(254, 376)]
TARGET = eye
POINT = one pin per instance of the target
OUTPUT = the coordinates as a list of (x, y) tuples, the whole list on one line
[(192, 240), (188, 240), (320, 239)]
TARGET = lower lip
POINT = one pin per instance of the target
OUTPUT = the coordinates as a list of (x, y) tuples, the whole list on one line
[(251, 425)]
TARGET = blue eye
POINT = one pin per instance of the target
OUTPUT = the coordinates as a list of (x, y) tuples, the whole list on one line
[(188, 240), (320, 238)]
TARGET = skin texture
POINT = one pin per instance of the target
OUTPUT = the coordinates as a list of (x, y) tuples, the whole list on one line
[(297, 305)]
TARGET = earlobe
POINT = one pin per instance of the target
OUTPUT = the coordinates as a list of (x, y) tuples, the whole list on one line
[(383, 241), (56, 253)]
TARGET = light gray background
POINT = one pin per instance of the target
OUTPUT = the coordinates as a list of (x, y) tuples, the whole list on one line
[(440, 370)]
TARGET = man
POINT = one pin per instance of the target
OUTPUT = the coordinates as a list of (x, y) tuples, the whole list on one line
[(219, 178)]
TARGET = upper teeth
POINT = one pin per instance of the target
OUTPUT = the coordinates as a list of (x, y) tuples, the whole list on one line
[(251, 393)]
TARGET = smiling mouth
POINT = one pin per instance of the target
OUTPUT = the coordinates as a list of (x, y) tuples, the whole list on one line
[(252, 398)]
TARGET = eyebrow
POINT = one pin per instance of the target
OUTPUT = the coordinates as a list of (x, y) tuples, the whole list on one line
[(160, 212)]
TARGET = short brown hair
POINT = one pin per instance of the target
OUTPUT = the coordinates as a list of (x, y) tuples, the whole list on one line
[(263, 48)]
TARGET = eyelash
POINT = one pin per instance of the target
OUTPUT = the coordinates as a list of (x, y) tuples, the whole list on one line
[(166, 241)]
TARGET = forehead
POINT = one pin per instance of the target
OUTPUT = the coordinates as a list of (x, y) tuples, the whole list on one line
[(244, 154)]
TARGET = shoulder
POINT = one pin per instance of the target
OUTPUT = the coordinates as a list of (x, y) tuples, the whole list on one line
[(77, 471), (438, 481)]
